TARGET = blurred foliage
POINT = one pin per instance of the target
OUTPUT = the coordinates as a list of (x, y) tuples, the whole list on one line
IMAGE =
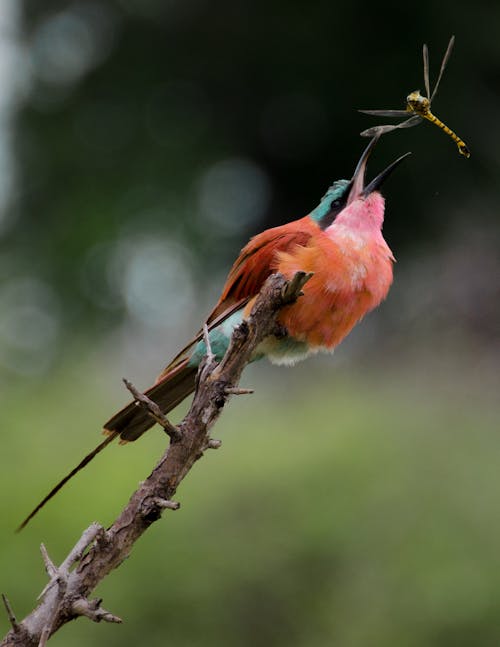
[(141, 143), (365, 516), (198, 124)]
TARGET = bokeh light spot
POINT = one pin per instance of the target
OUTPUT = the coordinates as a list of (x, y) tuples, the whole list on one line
[(155, 280), (29, 325), (233, 193), (69, 43)]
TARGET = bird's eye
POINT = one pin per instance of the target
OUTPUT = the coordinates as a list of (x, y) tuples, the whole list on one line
[(335, 204)]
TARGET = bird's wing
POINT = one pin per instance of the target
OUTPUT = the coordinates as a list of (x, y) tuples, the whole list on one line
[(186, 351), (257, 261)]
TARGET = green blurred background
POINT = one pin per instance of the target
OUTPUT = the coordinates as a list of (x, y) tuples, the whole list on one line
[(355, 500)]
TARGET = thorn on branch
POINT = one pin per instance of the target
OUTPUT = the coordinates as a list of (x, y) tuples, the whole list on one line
[(56, 575), (213, 443), (50, 567), (166, 503), (10, 614), (152, 507), (92, 609), (209, 362), (154, 411), (235, 390), (45, 635), (208, 345)]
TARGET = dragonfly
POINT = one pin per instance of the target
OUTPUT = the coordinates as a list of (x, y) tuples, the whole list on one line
[(419, 107)]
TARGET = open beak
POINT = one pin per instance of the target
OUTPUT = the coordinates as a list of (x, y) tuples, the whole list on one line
[(358, 187)]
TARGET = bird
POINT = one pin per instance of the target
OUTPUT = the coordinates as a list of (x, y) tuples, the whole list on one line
[(340, 243)]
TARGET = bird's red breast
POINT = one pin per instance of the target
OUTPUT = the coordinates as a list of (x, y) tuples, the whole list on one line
[(348, 281)]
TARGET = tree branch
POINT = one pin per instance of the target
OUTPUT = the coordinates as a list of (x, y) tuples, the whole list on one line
[(99, 551)]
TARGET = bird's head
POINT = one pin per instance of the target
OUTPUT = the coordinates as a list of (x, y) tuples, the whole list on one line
[(342, 194)]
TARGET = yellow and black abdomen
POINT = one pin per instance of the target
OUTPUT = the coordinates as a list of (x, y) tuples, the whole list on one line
[(462, 147)]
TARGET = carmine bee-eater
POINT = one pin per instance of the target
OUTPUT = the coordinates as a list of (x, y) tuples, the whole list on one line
[(340, 242)]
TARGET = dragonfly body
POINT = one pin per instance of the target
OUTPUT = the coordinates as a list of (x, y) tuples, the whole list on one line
[(419, 107), (417, 104)]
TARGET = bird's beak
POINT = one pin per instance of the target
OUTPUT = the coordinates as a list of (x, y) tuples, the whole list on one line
[(358, 188), (382, 177)]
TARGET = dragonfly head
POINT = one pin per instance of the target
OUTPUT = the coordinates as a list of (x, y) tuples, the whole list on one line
[(417, 103)]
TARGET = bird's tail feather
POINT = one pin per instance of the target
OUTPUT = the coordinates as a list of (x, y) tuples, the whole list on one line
[(132, 421)]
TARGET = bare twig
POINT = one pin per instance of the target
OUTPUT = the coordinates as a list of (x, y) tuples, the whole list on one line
[(98, 552), (10, 613), (154, 411), (235, 390), (212, 443), (52, 571), (293, 289), (208, 345), (165, 504), (50, 567), (47, 629), (94, 532), (93, 610), (57, 577)]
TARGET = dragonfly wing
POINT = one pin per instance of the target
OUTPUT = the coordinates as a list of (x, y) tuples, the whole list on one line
[(385, 113), (382, 130), (409, 123), (425, 54), (446, 57), (377, 130)]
